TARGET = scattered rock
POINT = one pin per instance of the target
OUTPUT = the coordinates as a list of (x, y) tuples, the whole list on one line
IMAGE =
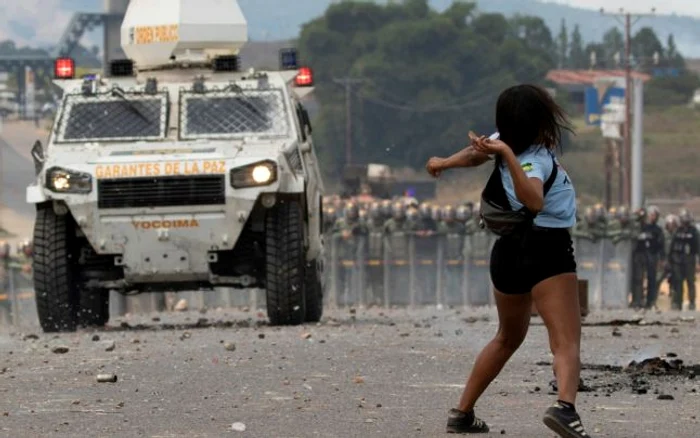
[(106, 378), (503, 431), (30, 336), (379, 405), (185, 335), (687, 319), (155, 319), (238, 427), (95, 338), (675, 330), (405, 335), (261, 335), (229, 346), (110, 345), (306, 336), (352, 311), (135, 341), (537, 389), (459, 332), (181, 305), (120, 405), (654, 336), (655, 366), (60, 349), (359, 379), (616, 332), (665, 397)]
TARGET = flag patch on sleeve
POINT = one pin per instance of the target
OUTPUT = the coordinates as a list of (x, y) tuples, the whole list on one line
[(527, 167)]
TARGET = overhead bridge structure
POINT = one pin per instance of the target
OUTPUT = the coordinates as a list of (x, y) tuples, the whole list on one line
[(27, 68)]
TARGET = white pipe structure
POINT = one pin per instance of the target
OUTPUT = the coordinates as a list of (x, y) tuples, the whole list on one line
[(638, 146)]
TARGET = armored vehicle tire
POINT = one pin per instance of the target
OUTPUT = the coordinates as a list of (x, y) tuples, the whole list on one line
[(57, 298), (314, 293), (285, 264), (94, 307)]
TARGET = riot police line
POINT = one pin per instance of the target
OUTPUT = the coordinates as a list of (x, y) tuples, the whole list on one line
[(409, 269), (403, 253)]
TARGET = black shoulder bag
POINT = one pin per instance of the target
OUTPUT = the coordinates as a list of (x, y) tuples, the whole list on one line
[(497, 215)]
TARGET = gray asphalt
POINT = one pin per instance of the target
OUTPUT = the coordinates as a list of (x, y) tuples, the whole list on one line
[(372, 373)]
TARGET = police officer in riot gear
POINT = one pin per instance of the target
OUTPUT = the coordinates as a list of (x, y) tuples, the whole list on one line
[(685, 249), (375, 252), (671, 224), (427, 223), (647, 254), (347, 232)]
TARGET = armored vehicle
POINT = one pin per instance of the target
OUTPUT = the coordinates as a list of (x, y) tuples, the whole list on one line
[(176, 171)]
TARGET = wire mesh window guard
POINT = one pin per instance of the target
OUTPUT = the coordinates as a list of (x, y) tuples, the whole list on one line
[(221, 114), (106, 117)]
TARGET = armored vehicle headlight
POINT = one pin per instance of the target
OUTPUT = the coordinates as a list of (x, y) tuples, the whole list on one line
[(252, 175), (68, 181)]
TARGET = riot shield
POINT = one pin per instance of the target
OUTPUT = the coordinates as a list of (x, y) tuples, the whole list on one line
[(616, 275), (400, 256), (346, 272), (426, 249), (589, 256), (479, 291), (451, 262), (373, 273)]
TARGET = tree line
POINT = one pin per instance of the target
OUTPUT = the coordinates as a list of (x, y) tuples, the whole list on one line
[(418, 79)]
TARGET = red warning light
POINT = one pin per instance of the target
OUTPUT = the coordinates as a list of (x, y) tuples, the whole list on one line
[(64, 68), (305, 77)]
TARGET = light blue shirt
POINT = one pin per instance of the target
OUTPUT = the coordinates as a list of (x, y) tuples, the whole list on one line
[(559, 209)]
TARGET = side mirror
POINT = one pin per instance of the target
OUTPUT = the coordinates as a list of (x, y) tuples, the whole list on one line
[(38, 156)]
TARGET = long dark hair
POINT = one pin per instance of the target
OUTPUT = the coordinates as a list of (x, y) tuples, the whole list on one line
[(527, 115)]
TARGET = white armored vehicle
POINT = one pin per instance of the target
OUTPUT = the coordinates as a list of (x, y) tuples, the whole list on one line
[(176, 171)]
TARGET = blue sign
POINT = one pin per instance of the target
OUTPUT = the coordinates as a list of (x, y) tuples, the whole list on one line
[(665, 72), (594, 104)]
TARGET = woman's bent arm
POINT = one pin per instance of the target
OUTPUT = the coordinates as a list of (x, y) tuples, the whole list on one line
[(529, 191), (467, 157)]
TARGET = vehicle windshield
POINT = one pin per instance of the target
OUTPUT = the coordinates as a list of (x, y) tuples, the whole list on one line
[(233, 114), (113, 117)]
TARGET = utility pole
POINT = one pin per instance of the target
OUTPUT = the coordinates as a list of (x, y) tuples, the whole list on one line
[(348, 82), (626, 170)]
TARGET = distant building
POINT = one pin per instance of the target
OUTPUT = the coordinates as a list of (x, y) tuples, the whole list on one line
[(575, 82)]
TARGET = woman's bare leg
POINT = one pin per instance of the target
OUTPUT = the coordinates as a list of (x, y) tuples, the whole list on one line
[(514, 320), (557, 302)]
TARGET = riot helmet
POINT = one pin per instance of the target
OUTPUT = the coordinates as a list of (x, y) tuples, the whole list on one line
[(352, 212), (448, 214), (412, 214), (398, 211), (435, 213), (653, 214), (386, 208), (671, 222), (463, 214), (685, 217), (589, 215), (623, 214), (425, 210)]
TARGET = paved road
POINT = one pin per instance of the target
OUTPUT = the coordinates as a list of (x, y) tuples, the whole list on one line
[(370, 374)]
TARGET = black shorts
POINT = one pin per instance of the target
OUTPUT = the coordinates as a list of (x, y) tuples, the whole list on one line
[(518, 264)]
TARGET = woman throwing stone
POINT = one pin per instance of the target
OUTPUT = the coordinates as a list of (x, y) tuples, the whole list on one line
[(530, 202)]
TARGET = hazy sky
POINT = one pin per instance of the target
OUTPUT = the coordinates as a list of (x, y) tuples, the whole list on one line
[(666, 7)]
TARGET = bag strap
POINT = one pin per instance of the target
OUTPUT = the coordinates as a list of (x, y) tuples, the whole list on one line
[(552, 177)]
